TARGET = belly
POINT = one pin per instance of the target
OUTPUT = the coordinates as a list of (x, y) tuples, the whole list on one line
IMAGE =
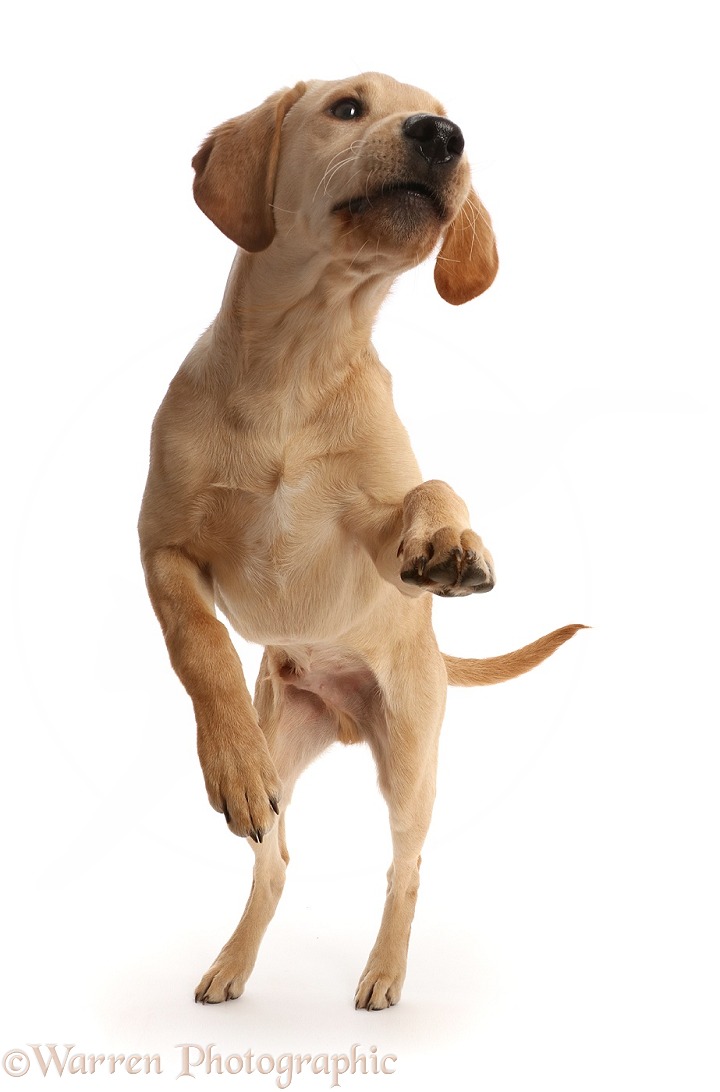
[(333, 681)]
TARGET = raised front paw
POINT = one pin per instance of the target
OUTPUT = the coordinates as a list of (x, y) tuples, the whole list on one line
[(241, 783), (448, 563)]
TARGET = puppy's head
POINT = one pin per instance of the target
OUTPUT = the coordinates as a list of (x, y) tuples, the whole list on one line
[(367, 170)]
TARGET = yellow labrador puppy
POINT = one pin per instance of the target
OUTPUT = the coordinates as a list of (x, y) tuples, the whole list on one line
[(283, 488)]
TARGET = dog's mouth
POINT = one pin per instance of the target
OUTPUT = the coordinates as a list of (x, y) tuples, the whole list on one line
[(409, 193)]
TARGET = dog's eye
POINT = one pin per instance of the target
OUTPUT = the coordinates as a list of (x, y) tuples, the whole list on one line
[(346, 109)]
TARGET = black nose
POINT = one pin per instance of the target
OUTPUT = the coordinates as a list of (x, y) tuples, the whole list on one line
[(437, 139)]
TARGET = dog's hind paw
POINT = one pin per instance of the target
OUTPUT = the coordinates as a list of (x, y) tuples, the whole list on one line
[(378, 990), (221, 983)]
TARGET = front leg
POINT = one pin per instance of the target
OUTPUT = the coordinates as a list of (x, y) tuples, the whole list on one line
[(439, 552), (240, 777)]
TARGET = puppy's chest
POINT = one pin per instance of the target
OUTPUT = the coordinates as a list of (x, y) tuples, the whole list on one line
[(278, 515), (290, 505), (283, 566)]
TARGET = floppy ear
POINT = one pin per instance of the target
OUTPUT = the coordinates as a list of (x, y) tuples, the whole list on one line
[(235, 171), (468, 260)]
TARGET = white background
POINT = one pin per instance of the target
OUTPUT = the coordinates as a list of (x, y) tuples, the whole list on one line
[(566, 933)]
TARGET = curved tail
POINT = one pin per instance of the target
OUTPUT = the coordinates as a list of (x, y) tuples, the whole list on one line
[(501, 668)]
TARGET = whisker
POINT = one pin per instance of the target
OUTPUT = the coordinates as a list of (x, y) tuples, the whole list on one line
[(471, 222), (352, 263), (354, 175), (330, 174), (349, 231), (333, 165)]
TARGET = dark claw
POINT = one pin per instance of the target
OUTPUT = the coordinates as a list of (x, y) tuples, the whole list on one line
[(274, 805), (226, 813), (253, 834), (416, 574), (458, 574)]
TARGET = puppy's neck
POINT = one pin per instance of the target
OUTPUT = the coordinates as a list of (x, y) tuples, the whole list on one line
[(304, 316), (291, 330)]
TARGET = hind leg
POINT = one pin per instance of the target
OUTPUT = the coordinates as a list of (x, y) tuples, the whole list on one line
[(405, 750), (298, 729)]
